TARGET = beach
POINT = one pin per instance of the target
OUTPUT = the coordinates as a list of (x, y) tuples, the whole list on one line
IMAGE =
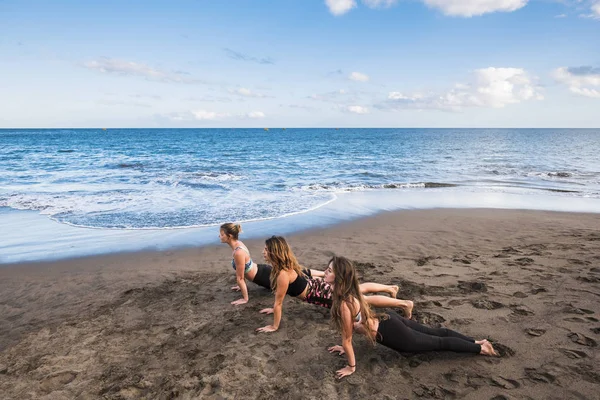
[(159, 324)]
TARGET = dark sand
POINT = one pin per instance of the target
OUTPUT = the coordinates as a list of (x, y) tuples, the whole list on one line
[(159, 324)]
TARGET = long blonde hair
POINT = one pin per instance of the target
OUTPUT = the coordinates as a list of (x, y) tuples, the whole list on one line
[(346, 288), (281, 258)]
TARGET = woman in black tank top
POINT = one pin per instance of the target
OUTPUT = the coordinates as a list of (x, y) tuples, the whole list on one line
[(287, 277)]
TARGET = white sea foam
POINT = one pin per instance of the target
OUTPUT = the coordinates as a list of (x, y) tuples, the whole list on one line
[(156, 207)]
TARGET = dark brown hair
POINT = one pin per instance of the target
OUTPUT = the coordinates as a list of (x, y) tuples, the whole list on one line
[(281, 258), (346, 288)]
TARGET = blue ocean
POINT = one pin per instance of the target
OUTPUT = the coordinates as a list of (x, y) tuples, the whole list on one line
[(162, 179)]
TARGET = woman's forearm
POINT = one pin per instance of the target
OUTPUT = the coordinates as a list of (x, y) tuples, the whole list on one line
[(347, 345), (243, 287), (277, 310), (315, 273)]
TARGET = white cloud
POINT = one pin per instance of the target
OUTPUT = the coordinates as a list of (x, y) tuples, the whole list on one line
[(122, 103), (470, 8), (357, 76), (561, 16), (339, 7), (584, 81), (490, 87), (256, 114), (596, 10), (247, 93), (333, 96), (130, 68), (297, 106), (379, 3), (204, 115), (357, 109), (460, 8)]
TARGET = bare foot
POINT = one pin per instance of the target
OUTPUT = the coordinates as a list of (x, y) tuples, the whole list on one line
[(481, 341), (487, 349), (394, 291), (409, 308)]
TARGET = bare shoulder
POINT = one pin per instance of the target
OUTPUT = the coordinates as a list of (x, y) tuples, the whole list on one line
[(283, 278)]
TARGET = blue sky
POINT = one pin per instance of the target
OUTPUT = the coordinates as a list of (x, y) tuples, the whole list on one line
[(300, 63)]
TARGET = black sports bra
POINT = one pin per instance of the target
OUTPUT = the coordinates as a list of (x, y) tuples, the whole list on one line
[(297, 287)]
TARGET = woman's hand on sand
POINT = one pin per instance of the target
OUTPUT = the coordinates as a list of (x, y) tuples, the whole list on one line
[(338, 349), (239, 302), (266, 311), (347, 370), (236, 288), (268, 328)]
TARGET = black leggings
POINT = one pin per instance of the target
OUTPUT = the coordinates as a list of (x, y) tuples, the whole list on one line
[(408, 336)]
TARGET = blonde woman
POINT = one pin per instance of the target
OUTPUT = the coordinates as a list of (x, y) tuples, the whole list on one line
[(241, 260)]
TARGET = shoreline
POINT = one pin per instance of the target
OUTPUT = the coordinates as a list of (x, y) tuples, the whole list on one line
[(30, 236), (151, 323), (257, 241)]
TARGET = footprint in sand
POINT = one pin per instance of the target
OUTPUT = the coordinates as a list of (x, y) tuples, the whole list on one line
[(582, 339), (461, 321), (434, 392), (502, 350), (510, 250), (506, 252), (428, 303), (535, 331), (429, 319), (56, 381), (536, 249), (457, 302), (523, 262), (592, 319), (472, 287), (593, 237), (539, 375), (574, 354), (570, 309), (538, 289), (595, 270), (586, 372), (505, 383), (465, 261), (574, 319), (423, 260), (486, 304), (462, 378), (578, 262), (519, 309), (595, 330), (520, 295), (588, 279)]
